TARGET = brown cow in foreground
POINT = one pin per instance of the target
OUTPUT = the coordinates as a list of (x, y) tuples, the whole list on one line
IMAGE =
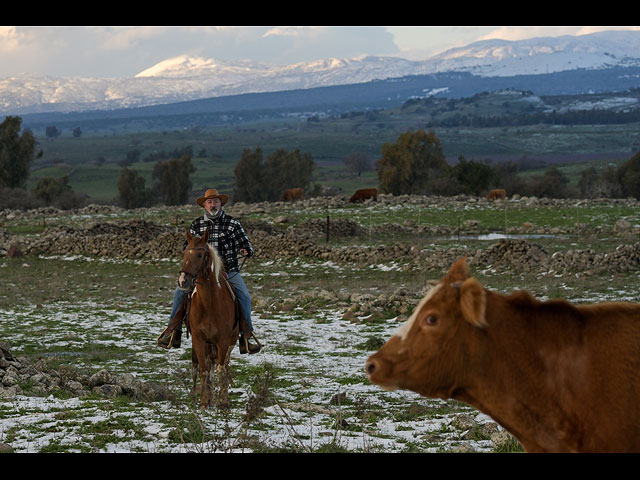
[(364, 194), (559, 377), (496, 194), (292, 194)]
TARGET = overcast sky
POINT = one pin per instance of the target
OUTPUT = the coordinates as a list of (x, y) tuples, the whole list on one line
[(125, 51)]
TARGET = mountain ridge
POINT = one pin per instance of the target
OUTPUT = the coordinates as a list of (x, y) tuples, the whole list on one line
[(186, 78)]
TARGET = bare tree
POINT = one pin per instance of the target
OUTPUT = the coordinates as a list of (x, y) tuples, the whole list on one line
[(357, 162)]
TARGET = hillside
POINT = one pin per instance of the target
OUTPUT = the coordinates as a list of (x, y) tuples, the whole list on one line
[(331, 101), (510, 108), (572, 130)]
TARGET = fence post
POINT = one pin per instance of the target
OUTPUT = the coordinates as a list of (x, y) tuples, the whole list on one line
[(505, 218), (328, 227)]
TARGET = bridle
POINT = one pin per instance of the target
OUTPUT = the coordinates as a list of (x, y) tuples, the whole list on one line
[(200, 270)]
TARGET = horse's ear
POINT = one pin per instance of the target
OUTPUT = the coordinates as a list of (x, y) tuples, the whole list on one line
[(189, 237), (205, 237)]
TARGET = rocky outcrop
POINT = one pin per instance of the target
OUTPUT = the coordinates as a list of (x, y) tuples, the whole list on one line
[(524, 256), (19, 375), (126, 239)]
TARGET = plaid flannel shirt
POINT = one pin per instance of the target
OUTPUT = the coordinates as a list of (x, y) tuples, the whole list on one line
[(226, 235)]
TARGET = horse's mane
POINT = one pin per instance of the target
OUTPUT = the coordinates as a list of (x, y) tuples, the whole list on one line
[(215, 263)]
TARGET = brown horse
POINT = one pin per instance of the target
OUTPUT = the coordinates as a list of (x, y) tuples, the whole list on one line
[(211, 319)]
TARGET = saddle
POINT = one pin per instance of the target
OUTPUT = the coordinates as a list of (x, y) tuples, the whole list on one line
[(182, 316)]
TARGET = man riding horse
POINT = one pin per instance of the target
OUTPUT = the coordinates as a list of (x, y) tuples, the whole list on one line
[(229, 239)]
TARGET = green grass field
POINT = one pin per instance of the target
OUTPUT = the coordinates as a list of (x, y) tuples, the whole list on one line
[(77, 157)]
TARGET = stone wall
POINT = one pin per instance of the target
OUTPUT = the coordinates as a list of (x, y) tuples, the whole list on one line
[(139, 239)]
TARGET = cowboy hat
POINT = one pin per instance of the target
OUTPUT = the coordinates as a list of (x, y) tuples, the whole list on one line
[(213, 193)]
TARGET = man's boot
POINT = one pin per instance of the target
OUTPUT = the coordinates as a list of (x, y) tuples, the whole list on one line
[(173, 335), (176, 338), (245, 346), (170, 340)]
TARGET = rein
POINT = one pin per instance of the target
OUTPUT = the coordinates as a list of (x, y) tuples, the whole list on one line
[(244, 259), (202, 269)]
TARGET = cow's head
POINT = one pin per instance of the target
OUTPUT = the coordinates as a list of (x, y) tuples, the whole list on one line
[(433, 350)]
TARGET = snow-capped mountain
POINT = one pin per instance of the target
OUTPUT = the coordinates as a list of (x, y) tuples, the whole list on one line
[(189, 78), (543, 54)]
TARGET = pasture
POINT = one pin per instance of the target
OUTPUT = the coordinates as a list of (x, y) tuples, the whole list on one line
[(217, 149), (319, 316)]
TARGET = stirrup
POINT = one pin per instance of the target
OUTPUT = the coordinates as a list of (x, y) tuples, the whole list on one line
[(246, 347), (165, 338), (169, 339), (256, 339)]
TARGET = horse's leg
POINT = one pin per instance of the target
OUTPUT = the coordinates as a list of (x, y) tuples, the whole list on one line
[(205, 387), (194, 374), (225, 347), (224, 375), (200, 349), (210, 372)]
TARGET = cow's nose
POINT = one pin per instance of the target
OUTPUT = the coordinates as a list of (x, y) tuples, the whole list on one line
[(370, 367)]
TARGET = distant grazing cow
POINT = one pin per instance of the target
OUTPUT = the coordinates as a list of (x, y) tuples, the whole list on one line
[(364, 194), (496, 194), (292, 194), (559, 377)]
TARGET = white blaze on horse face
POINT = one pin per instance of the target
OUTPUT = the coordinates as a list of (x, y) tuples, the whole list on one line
[(403, 331), (186, 262)]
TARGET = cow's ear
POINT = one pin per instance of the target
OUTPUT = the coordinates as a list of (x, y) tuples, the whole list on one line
[(473, 302), (459, 271)]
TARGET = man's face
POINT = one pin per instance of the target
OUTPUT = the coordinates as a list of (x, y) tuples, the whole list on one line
[(212, 205)]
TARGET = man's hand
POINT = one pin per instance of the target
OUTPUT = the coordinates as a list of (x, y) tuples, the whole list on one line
[(181, 279)]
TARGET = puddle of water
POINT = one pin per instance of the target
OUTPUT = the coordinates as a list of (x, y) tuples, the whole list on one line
[(62, 354), (501, 236)]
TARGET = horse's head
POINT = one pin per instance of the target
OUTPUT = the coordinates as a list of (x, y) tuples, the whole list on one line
[(196, 259)]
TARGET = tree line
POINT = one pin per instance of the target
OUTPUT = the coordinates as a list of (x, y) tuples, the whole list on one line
[(17, 151), (172, 178), (414, 164), (261, 179), (576, 117), (172, 184), (257, 178)]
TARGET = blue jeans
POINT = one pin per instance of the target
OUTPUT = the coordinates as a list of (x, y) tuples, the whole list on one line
[(244, 298)]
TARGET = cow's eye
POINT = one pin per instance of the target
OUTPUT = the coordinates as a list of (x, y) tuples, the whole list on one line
[(431, 320)]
